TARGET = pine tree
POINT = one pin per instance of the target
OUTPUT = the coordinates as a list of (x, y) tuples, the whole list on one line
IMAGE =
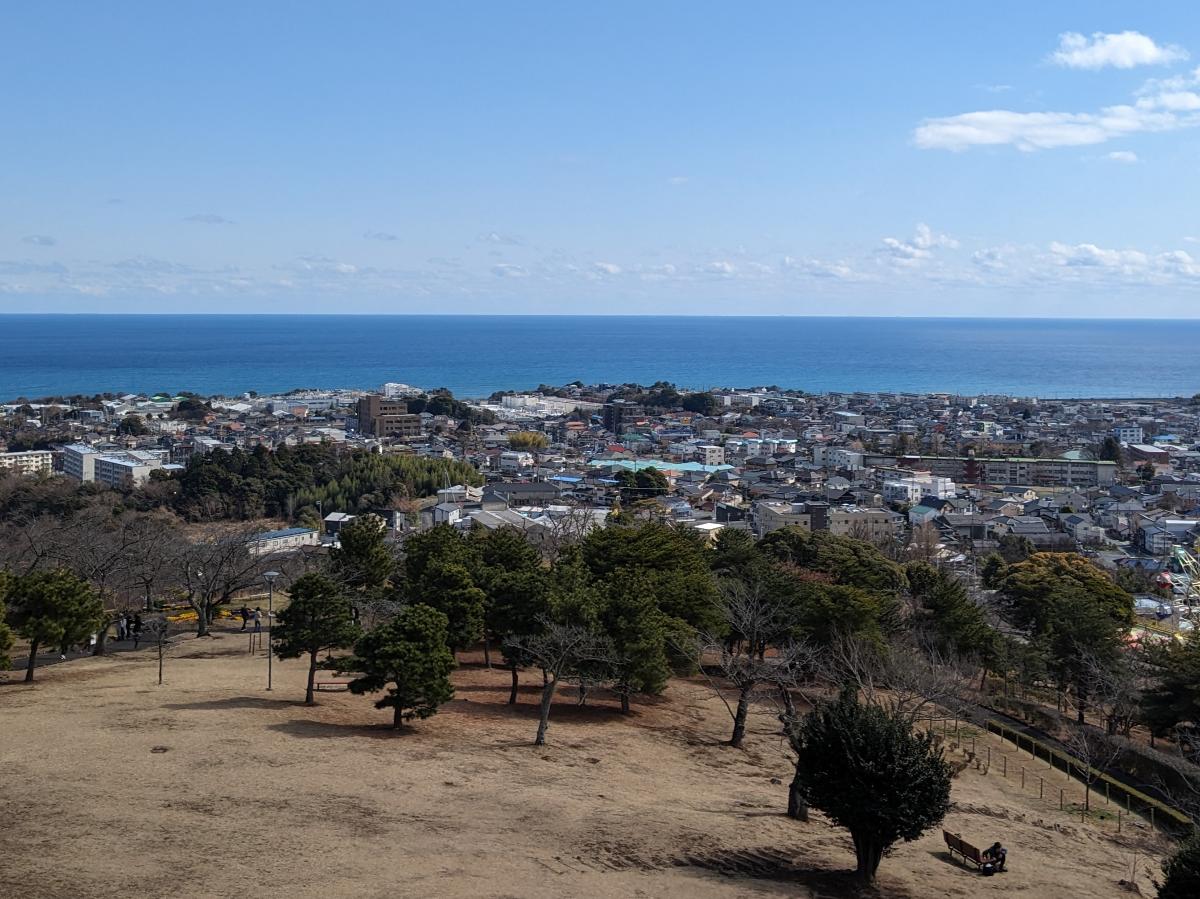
[(636, 629), (53, 608), (362, 559), (409, 657), (1182, 872), (318, 617), (869, 772)]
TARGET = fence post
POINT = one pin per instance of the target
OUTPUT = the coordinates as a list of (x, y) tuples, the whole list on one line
[(1004, 767), (989, 757), (1041, 788), (1061, 804), (1118, 819), (1106, 796), (1152, 816), (1022, 777)]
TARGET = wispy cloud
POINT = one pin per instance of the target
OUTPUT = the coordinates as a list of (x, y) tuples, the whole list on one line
[(677, 180), (1126, 156), (918, 248), (508, 270), (606, 268), (208, 218), (39, 240), (380, 235), (504, 239), (1123, 50), (1166, 104)]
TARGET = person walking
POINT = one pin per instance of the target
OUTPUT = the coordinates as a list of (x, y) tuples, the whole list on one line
[(120, 627), (245, 615), (258, 619), (136, 630)]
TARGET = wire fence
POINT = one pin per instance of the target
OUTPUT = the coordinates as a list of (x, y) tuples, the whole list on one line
[(1059, 780)]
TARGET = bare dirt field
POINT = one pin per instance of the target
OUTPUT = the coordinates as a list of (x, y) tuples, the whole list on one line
[(208, 786)]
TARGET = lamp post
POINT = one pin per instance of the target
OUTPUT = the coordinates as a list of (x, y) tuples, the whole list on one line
[(269, 577)]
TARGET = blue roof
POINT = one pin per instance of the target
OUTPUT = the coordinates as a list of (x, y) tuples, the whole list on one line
[(284, 532), (654, 463), (568, 479)]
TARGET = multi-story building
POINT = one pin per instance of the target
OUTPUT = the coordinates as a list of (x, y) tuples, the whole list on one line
[(842, 521), (129, 469), (79, 461), (619, 413), (31, 462), (913, 489), (1128, 433), (379, 416), (708, 454), (1012, 471)]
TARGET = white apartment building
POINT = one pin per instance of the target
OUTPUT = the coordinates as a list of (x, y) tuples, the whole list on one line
[(708, 454), (31, 462), (79, 462), (1128, 433), (912, 489), (513, 461), (129, 469)]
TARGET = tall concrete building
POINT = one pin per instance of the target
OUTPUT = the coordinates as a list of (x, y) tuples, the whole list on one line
[(379, 416)]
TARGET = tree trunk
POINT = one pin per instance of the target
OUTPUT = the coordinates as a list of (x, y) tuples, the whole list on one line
[(544, 720), (309, 697), (739, 718), (512, 694), (201, 619), (33, 648), (868, 853), (397, 717), (487, 652), (582, 693), (101, 639), (797, 807), (625, 702)]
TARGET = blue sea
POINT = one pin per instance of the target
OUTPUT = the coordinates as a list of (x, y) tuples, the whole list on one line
[(44, 355)]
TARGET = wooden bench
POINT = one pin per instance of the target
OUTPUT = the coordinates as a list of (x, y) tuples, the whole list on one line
[(959, 846), (332, 683)]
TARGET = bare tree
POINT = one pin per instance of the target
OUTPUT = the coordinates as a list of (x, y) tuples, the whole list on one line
[(564, 652), (757, 621), (153, 561), (1092, 752), (568, 530), (213, 568)]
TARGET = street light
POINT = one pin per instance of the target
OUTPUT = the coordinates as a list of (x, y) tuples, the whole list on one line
[(269, 577)]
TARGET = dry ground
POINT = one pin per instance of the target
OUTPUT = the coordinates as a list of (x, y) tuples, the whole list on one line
[(208, 786)]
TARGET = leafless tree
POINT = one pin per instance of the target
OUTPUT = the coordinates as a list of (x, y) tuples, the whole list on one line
[(215, 566), (374, 611), (564, 652), (568, 530), (905, 677), (1092, 751), (153, 562), (757, 621)]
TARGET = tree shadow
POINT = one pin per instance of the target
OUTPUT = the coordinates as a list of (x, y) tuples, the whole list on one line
[(235, 702), (331, 730), (782, 867), (560, 712), (947, 858)]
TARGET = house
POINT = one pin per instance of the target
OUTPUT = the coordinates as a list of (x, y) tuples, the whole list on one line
[(281, 541)]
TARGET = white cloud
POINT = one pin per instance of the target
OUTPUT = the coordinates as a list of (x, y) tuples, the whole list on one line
[(1126, 156), (677, 180), (817, 268), (918, 248), (991, 259), (1124, 50), (496, 237), (39, 240), (1162, 104), (507, 270), (606, 268), (1030, 131), (720, 267), (1090, 255), (380, 235)]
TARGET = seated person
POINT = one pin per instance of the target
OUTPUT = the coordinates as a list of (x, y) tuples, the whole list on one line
[(997, 855)]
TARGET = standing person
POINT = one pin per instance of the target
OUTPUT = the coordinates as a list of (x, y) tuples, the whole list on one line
[(136, 629), (258, 619), (245, 613), (120, 627)]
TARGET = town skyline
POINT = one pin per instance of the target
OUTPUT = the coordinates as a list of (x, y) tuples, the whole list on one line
[(581, 162)]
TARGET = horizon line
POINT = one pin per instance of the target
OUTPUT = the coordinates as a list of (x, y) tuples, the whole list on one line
[(717, 315)]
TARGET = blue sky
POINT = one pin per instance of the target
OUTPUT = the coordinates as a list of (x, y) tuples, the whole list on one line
[(669, 157)]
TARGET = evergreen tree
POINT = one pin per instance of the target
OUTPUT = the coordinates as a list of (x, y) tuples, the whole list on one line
[(637, 631), (408, 657), (318, 617), (449, 587), (6, 636), (1182, 872), (850, 562), (362, 560), (1174, 698), (869, 772), (53, 608)]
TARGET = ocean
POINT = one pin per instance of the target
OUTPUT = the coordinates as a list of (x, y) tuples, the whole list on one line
[(43, 355)]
